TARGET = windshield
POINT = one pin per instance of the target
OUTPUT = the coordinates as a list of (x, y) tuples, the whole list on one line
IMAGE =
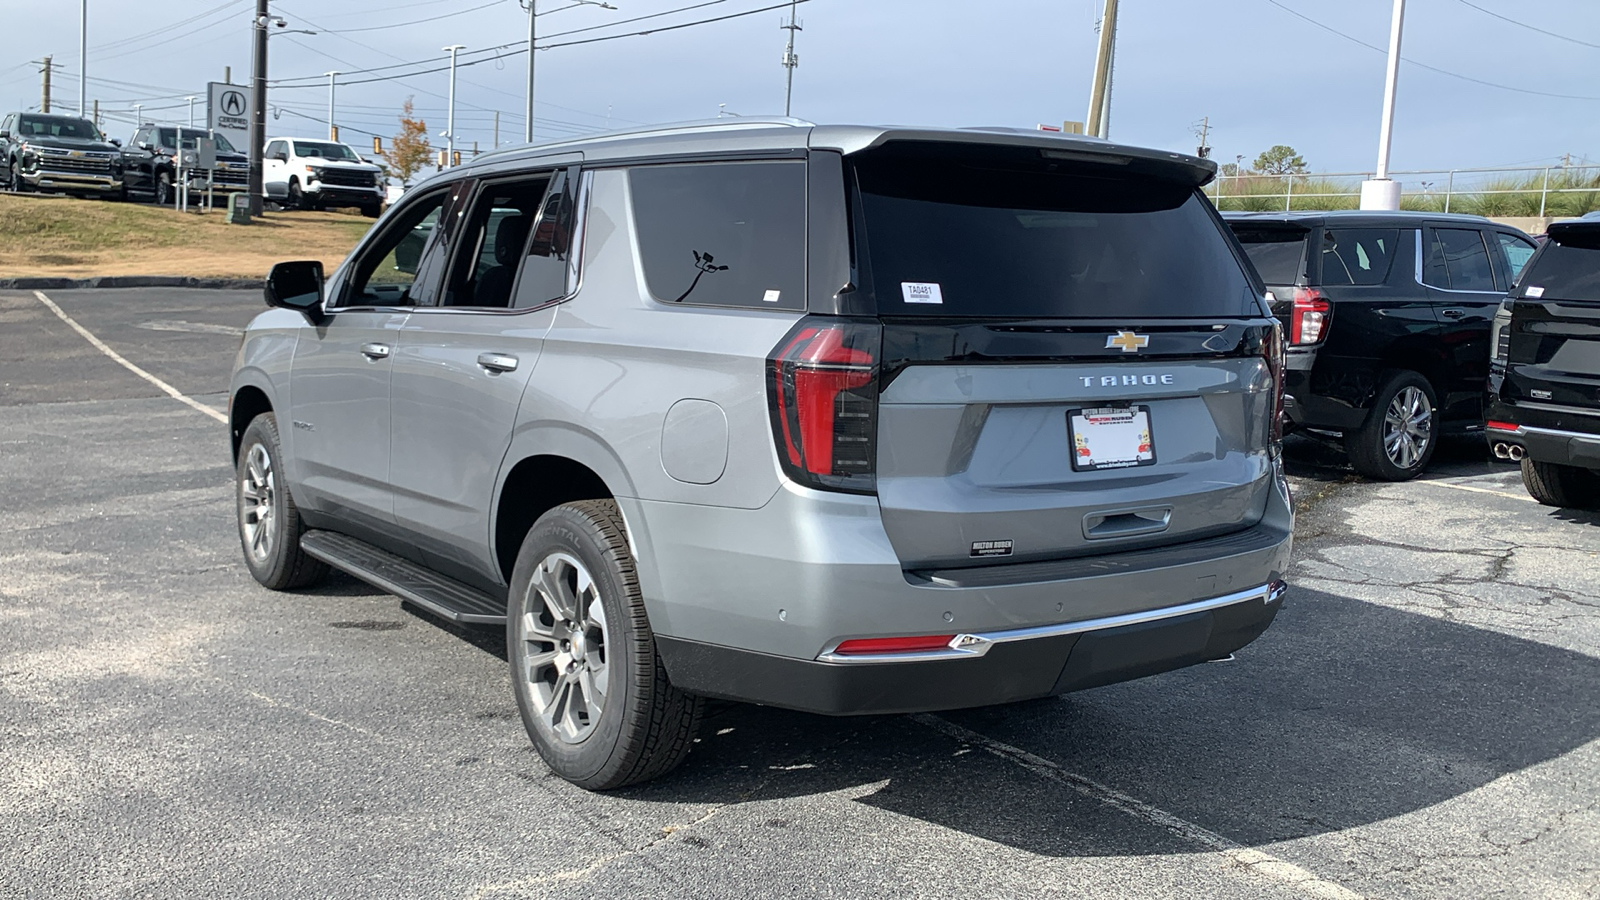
[(55, 126), (1277, 253), (325, 150), (1567, 269), (169, 138), (955, 232)]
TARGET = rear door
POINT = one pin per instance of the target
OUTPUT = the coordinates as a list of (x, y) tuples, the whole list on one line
[(461, 368), (1466, 288), (1554, 359), (1073, 357)]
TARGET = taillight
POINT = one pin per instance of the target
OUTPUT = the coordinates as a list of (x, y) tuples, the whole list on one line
[(1308, 320), (1273, 352), (868, 646), (1500, 331), (822, 390)]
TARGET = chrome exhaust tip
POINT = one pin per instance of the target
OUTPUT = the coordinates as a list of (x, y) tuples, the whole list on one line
[(1517, 453), (1502, 450)]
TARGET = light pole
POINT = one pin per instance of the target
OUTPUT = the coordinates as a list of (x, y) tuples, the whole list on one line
[(258, 98), (450, 120), (527, 126), (333, 135), (191, 109), (1100, 88), (83, 60), (138, 115), (1380, 192)]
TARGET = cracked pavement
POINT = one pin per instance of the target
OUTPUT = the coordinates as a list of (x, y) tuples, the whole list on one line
[(1423, 720)]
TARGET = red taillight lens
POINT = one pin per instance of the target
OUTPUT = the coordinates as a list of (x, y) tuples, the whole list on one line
[(1308, 320), (868, 646), (1273, 351), (823, 393), (1502, 426)]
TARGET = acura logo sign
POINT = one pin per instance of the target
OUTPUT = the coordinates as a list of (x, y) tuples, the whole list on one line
[(233, 103)]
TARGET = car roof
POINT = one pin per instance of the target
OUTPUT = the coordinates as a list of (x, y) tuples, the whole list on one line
[(1351, 217), (749, 134), (1586, 227)]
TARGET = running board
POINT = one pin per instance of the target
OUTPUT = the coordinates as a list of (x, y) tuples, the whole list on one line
[(410, 582)]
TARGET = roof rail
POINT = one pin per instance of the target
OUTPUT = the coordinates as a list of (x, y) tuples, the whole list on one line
[(689, 127)]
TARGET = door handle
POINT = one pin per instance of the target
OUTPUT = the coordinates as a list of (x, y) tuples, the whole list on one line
[(1453, 313), (375, 351), (498, 362)]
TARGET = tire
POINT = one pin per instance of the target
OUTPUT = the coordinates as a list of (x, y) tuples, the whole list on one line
[(1398, 438), (575, 557), (371, 211), (269, 522), (17, 185), (161, 191), (296, 198), (1572, 487)]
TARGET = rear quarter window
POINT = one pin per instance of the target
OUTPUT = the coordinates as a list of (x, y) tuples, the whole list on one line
[(1358, 255), (722, 234), (965, 236)]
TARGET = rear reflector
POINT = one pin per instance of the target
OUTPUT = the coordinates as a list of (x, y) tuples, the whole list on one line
[(1501, 426), (868, 646)]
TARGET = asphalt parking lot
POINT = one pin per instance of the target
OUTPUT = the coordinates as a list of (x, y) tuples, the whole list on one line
[(1423, 720)]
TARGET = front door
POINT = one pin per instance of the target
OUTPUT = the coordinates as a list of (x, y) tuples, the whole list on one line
[(1465, 290), (461, 368), (340, 380)]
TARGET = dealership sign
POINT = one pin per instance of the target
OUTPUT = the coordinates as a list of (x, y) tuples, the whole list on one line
[(228, 113)]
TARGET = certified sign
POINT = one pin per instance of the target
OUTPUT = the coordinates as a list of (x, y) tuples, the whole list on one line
[(228, 113)]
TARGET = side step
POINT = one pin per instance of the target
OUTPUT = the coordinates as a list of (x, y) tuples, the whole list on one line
[(410, 582)]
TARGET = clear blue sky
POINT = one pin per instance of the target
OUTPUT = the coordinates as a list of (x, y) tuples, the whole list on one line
[(1262, 74)]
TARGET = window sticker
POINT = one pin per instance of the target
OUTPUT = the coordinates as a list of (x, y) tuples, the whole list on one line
[(921, 292), (1535, 292), (771, 296)]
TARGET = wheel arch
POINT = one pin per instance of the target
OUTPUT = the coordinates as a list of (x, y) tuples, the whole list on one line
[(532, 487), (247, 402)]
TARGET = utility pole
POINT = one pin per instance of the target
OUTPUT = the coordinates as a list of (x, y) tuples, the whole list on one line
[(83, 59), (333, 134), (450, 127), (44, 97), (497, 129), (1380, 192), (527, 122), (1100, 88), (191, 110), (1204, 150), (790, 61), (258, 102)]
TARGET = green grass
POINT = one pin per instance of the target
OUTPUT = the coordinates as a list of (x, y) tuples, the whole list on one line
[(1569, 194)]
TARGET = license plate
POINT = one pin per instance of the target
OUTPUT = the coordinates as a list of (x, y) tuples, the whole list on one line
[(1112, 437)]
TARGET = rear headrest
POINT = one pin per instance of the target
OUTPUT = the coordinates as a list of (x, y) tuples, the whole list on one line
[(509, 238)]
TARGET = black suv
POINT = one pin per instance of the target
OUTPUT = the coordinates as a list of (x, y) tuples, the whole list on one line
[(1388, 317), (1544, 380), (150, 165)]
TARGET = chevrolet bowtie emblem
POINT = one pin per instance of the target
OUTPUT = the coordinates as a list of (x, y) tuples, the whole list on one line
[(1128, 341)]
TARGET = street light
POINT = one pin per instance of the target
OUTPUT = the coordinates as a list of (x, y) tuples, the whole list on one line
[(450, 121), (1380, 192), (83, 60), (333, 135), (527, 126), (261, 25), (191, 110)]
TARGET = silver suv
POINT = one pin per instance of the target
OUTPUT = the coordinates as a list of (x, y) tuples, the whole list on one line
[(840, 419)]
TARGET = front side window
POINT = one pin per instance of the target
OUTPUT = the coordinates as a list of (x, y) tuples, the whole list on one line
[(1457, 260), (393, 270), (1358, 255), (723, 234), (276, 150)]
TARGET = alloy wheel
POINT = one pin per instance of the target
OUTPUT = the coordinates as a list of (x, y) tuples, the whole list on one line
[(564, 635), (256, 504), (1408, 427)]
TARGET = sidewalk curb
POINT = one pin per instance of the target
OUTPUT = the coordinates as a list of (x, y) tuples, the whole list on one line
[(129, 281)]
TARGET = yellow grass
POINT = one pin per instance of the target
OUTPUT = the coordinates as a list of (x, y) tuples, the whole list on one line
[(64, 237)]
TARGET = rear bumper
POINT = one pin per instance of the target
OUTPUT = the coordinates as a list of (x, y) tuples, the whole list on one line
[(1560, 446), (1017, 665)]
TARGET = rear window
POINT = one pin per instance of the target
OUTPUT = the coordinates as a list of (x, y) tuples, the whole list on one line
[(1358, 255), (1569, 270), (961, 235), (1277, 253)]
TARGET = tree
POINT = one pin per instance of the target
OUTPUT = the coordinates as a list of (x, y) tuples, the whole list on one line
[(1230, 170), (1280, 160), (410, 151)]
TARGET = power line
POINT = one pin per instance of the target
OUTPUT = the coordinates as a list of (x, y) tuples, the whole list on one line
[(1504, 87), (459, 12), (1490, 12)]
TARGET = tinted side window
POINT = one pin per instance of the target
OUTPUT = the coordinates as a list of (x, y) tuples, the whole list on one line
[(544, 269), (1358, 255), (493, 242), (723, 234), (1517, 252), (1458, 261), (275, 148), (392, 271), (1277, 253)]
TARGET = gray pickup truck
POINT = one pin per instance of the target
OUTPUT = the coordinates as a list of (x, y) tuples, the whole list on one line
[(840, 419), (40, 152)]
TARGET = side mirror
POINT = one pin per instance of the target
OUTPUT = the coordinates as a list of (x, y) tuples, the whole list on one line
[(143, 145), (297, 286), (116, 142)]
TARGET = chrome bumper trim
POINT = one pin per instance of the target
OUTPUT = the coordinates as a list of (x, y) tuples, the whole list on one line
[(972, 646)]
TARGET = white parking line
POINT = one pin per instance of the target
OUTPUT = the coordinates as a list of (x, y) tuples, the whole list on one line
[(1254, 861), (116, 357), (1478, 490)]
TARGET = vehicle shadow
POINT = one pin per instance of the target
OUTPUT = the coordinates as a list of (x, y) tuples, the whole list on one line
[(1344, 714), (1320, 458)]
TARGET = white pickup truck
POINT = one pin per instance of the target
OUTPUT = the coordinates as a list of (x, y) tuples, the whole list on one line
[(310, 174)]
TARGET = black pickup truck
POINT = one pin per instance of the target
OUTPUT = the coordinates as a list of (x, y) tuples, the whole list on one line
[(1387, 316), (1544, 379), (150, 163), (40, 152)]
